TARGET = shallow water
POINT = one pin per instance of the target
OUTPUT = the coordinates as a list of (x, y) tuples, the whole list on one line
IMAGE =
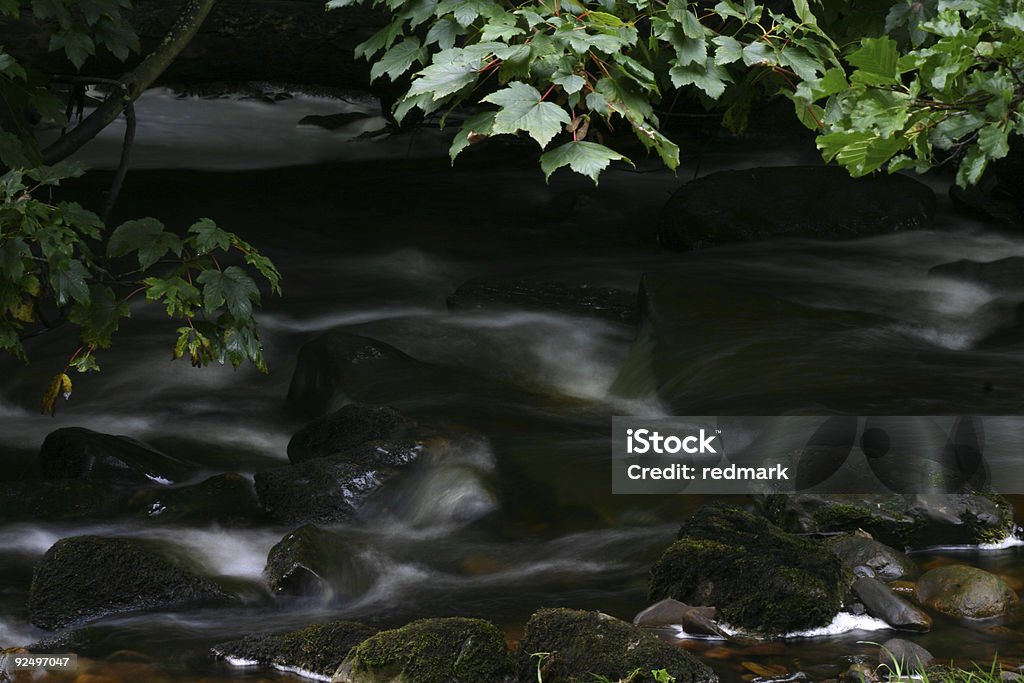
[(521, 515)]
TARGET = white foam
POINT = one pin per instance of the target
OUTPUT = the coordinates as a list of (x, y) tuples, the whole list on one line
[(302, 672), (240, 661), (844, 622)]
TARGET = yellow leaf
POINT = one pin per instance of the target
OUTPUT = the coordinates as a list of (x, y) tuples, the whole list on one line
[(61, 384), (24, 311)]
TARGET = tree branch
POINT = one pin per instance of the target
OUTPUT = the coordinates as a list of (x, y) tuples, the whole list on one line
[(134, 83)]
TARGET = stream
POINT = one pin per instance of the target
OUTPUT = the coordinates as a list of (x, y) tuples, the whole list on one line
[(373, 235)]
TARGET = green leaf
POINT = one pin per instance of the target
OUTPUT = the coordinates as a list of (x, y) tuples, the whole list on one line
[(443, 32), (442, 79), (502, 27), (860, 152), (727, 49), (398, 59), (207, 237), (480, 124), (179, 296), (571, 83), (803, 11), (100, 317), (13, 254), (231, 287), (68, 280), (876, 61), (77, 46), (523, 110), (585, 158), (994, 141), (147, 237), (711, 78)]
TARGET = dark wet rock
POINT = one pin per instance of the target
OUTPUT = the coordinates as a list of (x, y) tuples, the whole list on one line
[(769, 203), (903, 656), (321, 490), (347, 428), (332, 121), (898, 520), (335, 364), (317, 649), (83, 578), (760, 577), (313, 561), (1003, 274), (227, 499), (583, 645), (883, 604), (672, 613), (882, 561), (39, 500), (584, 300), (450, 650), (965, 592), (77, 453)]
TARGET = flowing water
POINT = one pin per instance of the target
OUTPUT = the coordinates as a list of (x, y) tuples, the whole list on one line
[(373, 235)]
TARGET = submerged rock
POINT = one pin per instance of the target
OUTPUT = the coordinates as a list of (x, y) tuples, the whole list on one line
[(672, 613), (803, 201), (583, 645), (346, 429), (83, 578), (761, 578), (317, 649), (584, 300), (965, 592), (903, 656), (1003, 274), (332, 121), (886, 563), (77, 453), (450, 650), (883, 604), (321, 490), (228, 499), (311, 560), (899, 520)]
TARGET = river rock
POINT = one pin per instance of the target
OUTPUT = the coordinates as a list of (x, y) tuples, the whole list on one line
[(583, 645), (965, 592), (78, 453), (1006, 274), (584, 300), (227, 499), (321, 490), (887, 564), (318, 649), (347, 428), (332, 121), (450, 650), (761, 578), (903, 656), (313, 561), (83, 578), (792, 201), (670, 613), (898, 520), (883, 604)]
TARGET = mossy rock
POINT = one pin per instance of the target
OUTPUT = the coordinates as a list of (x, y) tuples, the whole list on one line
[(449, 650), (898, 520), (83, 578), (761, 578), (581, 645), (965, 592), (318, 649), (347, 428), (78, 453)]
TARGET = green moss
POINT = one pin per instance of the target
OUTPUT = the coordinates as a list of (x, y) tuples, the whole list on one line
[(983, 531), (319, 648), (760, 577), (580, 646), (451, 650)]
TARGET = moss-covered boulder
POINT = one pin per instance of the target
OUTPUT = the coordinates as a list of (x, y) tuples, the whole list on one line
[(450, 650), (898, 520), (83, 578), (314, 561), (347, 428), (760, 578), (78, 453), (582, 645), (798, 201), (888, 564), (227, 499), (318, 649), (965, 592)]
